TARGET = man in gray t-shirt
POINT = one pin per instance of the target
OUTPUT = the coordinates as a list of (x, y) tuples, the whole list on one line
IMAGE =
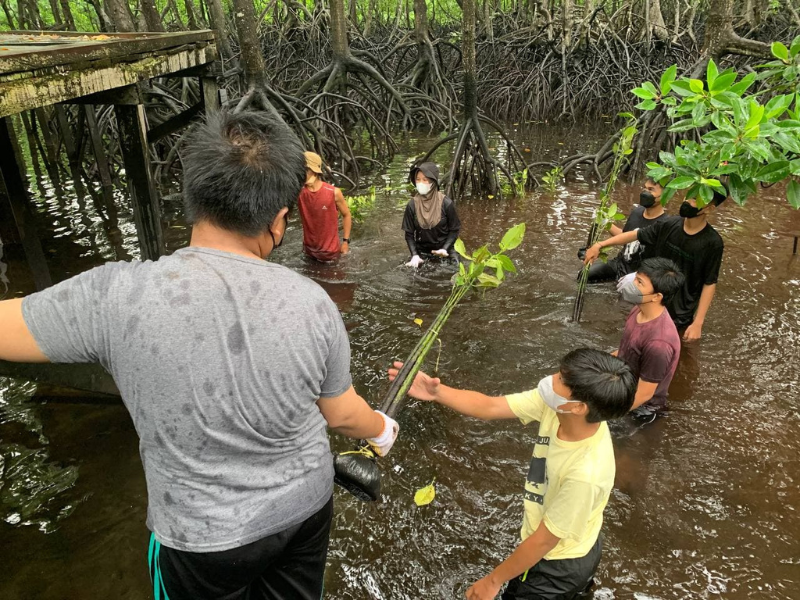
[(231, 368)]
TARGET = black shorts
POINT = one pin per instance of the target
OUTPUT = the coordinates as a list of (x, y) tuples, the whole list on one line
[(567, 579), (289, 565)]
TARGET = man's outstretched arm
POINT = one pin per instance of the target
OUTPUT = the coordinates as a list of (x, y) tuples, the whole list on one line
[(16, 341)]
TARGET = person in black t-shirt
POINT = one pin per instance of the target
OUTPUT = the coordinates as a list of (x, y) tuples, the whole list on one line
[(649, 212), (430, 222), (695, 246)]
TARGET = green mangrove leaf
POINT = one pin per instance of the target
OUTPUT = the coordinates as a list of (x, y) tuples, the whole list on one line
[(711, 72), (506, 263), (680, 183), (513, 237), (461, 249), (425, 495), (780, 51), (667, 79), (793, 194)]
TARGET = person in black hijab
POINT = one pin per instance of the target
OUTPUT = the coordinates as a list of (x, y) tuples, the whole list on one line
[(430, 222)]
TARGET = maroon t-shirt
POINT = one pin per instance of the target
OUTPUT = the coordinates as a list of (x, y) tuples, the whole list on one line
[(652, 350)]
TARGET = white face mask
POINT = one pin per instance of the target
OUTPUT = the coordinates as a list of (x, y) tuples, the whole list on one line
[(549, 396), (424, 188)]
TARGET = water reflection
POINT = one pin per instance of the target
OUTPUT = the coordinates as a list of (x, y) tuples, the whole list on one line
[(706, 498)]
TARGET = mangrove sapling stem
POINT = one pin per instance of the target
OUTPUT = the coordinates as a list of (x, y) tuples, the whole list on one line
[(607, 212), (357, 471)]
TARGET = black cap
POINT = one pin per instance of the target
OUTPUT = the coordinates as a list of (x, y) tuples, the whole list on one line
[(429, 169)]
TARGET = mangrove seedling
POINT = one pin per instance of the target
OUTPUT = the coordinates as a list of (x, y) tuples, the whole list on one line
[(552, 178), (479, 275), (607, 213), (357, 471)]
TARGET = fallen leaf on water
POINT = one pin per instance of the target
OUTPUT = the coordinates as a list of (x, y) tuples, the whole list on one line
[(418, 322), (490, 196), (527, 149), (425, 495)]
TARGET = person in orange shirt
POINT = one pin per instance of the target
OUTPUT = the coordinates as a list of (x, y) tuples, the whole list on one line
[(320, 205)]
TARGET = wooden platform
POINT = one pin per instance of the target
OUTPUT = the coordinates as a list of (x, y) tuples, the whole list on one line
[(42, 68)]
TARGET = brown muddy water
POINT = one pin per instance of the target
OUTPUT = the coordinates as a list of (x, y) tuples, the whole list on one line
[(706, 502)]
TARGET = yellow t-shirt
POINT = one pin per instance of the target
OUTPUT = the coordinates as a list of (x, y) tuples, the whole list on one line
[(568, 483)]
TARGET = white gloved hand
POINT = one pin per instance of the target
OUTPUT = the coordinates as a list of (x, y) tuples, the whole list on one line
[(443, 253), (383, 442), (623, 280), (415, 261)]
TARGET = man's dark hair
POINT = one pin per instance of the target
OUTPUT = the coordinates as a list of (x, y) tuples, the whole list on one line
[(720, 196), (604, 382), (240, 170), (665, 276)]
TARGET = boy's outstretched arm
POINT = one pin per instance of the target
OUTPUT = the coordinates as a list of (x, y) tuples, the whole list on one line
[(472, 404), (527, 554), (16, 341)]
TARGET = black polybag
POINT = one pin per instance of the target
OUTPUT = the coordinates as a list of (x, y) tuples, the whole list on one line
[(358, 474)]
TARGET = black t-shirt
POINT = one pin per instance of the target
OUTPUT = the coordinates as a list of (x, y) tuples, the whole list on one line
[(698, 256), (630, 257), (443, 235)]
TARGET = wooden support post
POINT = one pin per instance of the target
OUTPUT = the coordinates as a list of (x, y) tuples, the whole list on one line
[(99, 153), (146, 209), (210, 88), (21, 208)]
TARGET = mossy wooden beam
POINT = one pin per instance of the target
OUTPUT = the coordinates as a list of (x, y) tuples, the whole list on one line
[(19, 92)]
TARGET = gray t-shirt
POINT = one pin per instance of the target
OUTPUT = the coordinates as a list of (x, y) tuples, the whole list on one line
[(220, 360)]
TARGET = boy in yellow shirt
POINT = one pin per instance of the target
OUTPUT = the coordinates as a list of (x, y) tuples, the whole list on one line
[(570, 475)]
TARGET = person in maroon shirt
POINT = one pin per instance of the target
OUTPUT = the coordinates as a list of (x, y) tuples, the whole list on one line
[(650, 342), (320, 205)]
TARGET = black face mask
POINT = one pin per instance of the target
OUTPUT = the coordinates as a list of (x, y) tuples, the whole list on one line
[(688, 211), (646, 199)]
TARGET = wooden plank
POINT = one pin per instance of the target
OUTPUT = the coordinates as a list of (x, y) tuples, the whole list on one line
[(17, 96), (131, 95), (81, 51), (144, 197), (17, 195)]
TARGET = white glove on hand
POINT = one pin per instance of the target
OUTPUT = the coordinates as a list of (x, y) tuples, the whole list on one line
[(623, 280), (382, 443), (415, 261), (443, 253)]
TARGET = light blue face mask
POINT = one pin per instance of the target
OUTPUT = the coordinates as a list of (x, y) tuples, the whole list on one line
[(550, 397)]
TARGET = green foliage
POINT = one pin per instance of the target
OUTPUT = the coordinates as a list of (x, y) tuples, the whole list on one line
[(752, 138), (476, 275), (361, 205), (552, 178)]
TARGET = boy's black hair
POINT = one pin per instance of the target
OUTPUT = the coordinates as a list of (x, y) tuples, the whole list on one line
[(240, 170), (665, 276), (604, 382)]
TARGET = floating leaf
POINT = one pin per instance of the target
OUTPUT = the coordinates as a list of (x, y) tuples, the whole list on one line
[(425, 495), (418, 322)]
